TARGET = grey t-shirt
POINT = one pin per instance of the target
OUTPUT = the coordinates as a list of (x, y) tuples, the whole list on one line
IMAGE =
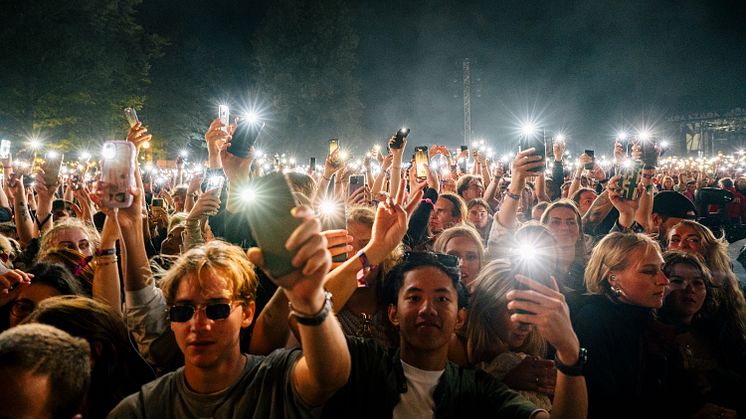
[(264, 390)]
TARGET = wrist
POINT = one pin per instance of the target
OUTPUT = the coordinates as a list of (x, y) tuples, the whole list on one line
[(374, 255), (307, 305)]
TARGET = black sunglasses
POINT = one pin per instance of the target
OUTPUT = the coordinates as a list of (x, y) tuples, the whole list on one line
[(184, 313), (450, 261)]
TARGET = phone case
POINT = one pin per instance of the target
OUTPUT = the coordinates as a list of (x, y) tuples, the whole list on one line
[(224, 114), (215, 184), (51, 167), (4, 149), (629, 181), (421, 159), (356, 182), (539, 145), (131, 116), (271, 221), (118, 173)]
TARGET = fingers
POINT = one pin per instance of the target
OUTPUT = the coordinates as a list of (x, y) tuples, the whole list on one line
[(337, 238), (302, 233), (310, 247), (255, 256)]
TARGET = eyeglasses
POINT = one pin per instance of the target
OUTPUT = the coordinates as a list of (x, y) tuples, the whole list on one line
[(184, 313), (450, 261)]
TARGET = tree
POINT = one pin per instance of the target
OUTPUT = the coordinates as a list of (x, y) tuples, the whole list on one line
[(305, 60), (70, 67)]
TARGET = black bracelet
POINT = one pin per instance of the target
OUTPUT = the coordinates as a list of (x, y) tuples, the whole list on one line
[(317, 318), (573, 370)]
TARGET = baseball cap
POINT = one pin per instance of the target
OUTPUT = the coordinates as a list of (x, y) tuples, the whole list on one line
[(673, 204)]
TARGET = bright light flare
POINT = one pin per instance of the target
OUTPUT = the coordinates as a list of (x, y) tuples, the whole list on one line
[(35, 144), (183, 153), (645, 135), (528, 129), (622, 135), (560, 138), (84, 155), (247, 195), (252, 117), (146, 145)]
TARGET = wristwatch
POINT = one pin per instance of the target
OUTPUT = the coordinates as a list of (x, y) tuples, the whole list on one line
[(317, 318), (573, 370)]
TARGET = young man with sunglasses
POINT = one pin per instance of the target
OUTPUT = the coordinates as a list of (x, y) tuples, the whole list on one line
[(427, 306), (210, 295)]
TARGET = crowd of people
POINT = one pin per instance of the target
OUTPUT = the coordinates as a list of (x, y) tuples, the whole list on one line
[(462, 286)]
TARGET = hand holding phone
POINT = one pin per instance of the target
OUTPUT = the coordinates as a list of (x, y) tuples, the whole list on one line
[(538, 143), (398, 141), (118, 174)]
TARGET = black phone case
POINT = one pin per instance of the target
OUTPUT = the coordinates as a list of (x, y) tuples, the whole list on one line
[(271, 221), (539, 145), (244, 138)]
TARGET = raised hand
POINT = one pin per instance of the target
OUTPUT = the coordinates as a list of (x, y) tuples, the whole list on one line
[(138, 135), (207, 205), (389, 227), (533, 374)]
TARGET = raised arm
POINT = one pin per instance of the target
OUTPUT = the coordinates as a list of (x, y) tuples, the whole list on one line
[(325, 364), (522, 163)]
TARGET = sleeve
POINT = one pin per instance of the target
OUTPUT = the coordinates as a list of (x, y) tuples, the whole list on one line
[(599, 374), (558, 178), (233, 228), (129, 408), (497, 239), (417, 231), (147, 320)]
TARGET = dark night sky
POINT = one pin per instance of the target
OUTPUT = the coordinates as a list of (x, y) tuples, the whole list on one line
[(583, 66)]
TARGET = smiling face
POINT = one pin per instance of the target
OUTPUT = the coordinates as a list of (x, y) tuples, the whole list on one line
[(426, 313), (563, 223), (642, 282), (207, 343), (686, 293)]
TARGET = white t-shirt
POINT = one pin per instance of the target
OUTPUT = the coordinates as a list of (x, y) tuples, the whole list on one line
[(418, 401)]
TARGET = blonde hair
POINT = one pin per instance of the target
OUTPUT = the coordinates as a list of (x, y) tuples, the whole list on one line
[(49, 239), (219, 258), (488, 297), (614, 253), (465, 231)]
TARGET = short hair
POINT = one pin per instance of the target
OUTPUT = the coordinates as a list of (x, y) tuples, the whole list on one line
[(466, 231), (463, 183), (118, 369), (614, 253), (301, 182), (395, 279), (48, 240), (479, 202), (487, 294), (459, 206), (214, 257), (576, 196), (56, 277), (43, 350), (176, 220)]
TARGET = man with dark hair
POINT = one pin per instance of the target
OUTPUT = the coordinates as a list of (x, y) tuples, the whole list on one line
[(417, 380), (46, 373), (448, 211)]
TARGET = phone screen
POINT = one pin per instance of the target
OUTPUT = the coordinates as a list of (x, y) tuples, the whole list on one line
[(649, 153), (4, 149), (271, 221), (629, 181), (215, 184), (224, 114), (333, 145), (51, 167), (421, 160)]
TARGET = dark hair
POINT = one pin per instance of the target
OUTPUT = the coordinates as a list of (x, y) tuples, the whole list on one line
[(56, 277), (479, 202), (46, 351), (576, 196), (119, 370), (413, 260), (459, 206), (464, 182)]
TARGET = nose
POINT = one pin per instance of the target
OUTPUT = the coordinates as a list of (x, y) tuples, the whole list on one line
[(200, 320), (428, 307), (662, 279)]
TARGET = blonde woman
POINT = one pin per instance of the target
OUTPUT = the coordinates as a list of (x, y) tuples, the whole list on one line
[(617, 325), (511, 351), (465, 243)]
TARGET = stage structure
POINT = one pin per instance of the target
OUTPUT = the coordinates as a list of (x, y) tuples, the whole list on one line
[(708, 133)]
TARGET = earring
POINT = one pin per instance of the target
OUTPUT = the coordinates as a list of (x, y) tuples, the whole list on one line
[(616, 291), (612, 277)]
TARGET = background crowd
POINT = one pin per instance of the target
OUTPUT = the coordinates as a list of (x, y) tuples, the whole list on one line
[(452, 282)]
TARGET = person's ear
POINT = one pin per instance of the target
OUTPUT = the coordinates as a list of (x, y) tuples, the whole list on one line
[(248, 314), (460, 318), (393, 315), (656, 219)]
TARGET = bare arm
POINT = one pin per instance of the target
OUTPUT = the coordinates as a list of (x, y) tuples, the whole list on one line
[(24, 223), (522, 164), (106, 285)]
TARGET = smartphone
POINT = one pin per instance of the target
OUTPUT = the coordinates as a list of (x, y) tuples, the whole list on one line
[(399, 138), (464, 147), (51, 166), (312, 164), (118, 173), (244, 137), (4, 149), (538, 143), (333, 216), (131, 116), (592, 154), (356, 182), (421, 160), (629, 181), (157, 203), (271, 222), (215, 185), (333, 145), (224, 113), (649, 153)]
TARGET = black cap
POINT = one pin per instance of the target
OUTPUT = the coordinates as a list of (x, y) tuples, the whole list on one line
[(673, 204)]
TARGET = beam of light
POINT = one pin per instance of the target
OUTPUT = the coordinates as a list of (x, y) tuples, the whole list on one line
[(528, 128), (622, 135)]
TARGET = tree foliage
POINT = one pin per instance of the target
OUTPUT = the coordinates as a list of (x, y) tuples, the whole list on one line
[(305, 60), (69, 67)]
